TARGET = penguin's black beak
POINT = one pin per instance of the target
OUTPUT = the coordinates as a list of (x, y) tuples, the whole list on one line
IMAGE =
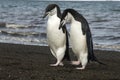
[(61, 25), (45, 15)]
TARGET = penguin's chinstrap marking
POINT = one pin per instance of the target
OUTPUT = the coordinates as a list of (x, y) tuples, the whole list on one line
[(80, 37), (57, 39)]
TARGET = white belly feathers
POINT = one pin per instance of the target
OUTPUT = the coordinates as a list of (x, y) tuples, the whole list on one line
[(78, 40), (56, 38)]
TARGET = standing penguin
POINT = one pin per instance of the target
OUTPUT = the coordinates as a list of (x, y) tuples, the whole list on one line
[(80, 37), (57, 39)]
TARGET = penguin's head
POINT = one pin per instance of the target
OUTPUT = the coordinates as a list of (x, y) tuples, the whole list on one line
[(52, 9), (66, 17), (71, 15)]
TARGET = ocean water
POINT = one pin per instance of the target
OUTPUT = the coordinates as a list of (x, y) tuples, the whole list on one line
[(21, 21)]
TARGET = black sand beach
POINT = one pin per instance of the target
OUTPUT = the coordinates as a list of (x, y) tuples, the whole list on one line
[(20, 62)]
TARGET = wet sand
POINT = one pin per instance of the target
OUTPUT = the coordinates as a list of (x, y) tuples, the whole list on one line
[(20, 62)]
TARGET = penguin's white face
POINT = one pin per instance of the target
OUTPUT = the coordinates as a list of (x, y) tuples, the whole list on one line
[(50, 12), (66, 19)]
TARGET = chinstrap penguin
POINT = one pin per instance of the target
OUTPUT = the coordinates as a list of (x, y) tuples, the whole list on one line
[(80, 37), (57, 39)]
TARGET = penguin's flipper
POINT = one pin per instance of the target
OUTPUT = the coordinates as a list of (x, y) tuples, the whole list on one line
[(67, 55), (91, 56)]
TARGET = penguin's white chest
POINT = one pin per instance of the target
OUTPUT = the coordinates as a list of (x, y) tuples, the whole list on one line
[(78, 40), (56, 38)]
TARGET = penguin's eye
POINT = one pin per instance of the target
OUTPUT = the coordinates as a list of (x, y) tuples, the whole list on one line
[(51, 11)]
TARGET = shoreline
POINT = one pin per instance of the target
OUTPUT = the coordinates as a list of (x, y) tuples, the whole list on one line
[(96, 47), (27, 62)]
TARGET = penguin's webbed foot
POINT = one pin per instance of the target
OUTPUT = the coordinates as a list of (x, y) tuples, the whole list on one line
[(61, 64), (75, 62), (80, 68), (56, 64)]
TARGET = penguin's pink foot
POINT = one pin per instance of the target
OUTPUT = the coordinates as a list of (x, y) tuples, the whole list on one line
[(61, 64), (54, 65), (80, 68), (75, 62), (57, 63)]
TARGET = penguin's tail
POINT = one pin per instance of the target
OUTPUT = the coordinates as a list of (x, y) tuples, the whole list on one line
[(95, 59), (91, 56), (67, 55)]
